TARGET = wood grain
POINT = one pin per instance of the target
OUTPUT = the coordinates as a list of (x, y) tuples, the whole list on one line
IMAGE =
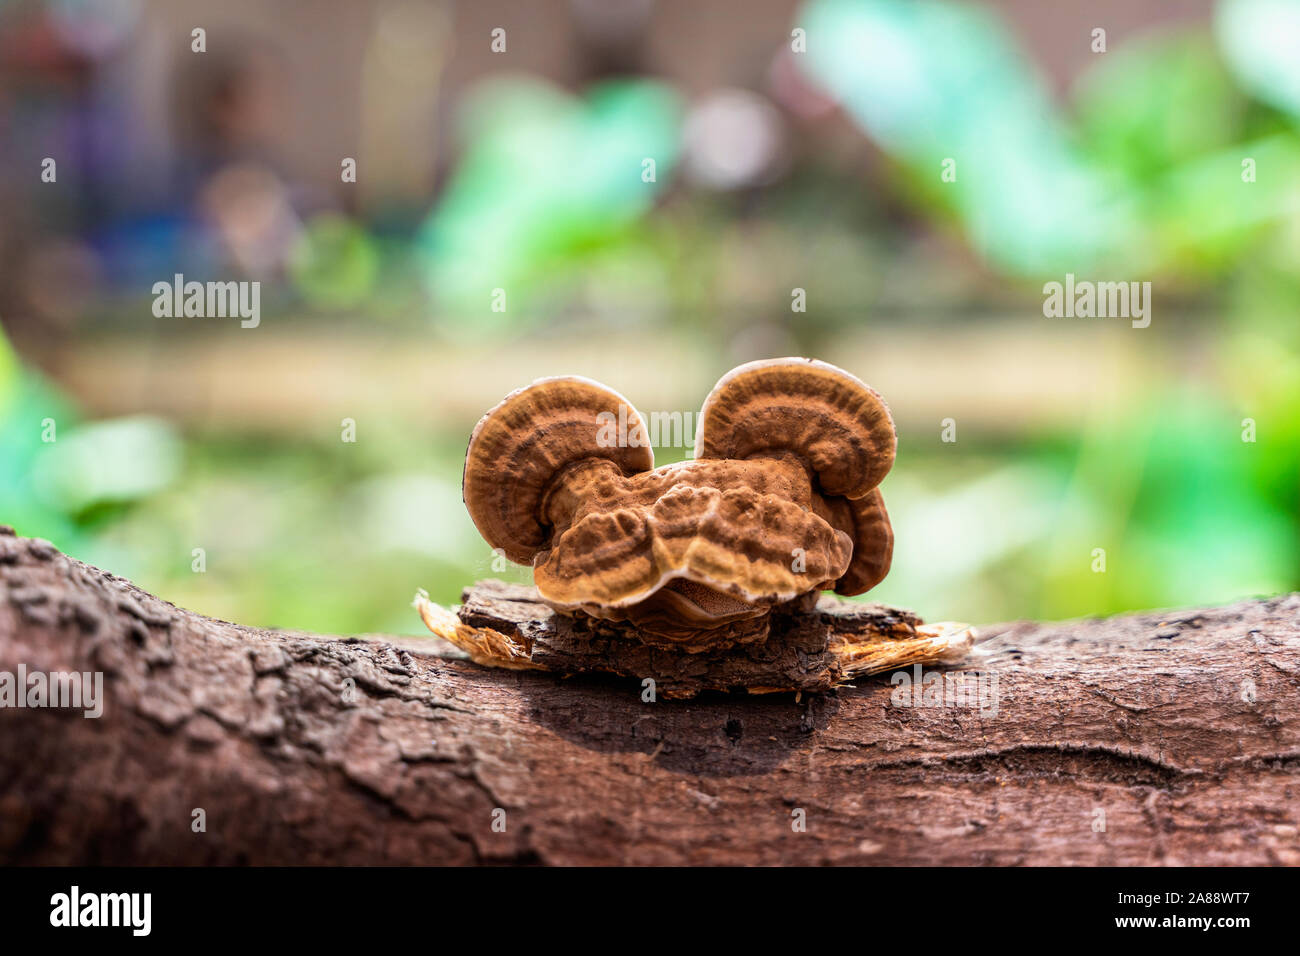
[(1180, 730)]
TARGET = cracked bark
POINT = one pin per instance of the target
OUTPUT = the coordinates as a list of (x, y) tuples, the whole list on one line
[(1180, 732)]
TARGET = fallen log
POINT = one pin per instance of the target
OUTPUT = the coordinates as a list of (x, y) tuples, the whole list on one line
[(1156, 738)]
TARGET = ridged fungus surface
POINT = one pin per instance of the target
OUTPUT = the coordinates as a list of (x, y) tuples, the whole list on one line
[(780, 503)]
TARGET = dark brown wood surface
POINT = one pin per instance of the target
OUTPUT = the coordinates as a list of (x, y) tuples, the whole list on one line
[(811, 645), (1167, 738)]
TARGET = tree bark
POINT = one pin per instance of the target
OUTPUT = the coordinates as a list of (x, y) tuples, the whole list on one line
[(1158, 738)]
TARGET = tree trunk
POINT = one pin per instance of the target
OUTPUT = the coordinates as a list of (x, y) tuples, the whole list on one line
[(1157, 738)]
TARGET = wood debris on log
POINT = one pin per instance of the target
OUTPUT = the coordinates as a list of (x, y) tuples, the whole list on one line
[(508, 625)]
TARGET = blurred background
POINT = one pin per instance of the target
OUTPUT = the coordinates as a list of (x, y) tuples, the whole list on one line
[(796, 146)]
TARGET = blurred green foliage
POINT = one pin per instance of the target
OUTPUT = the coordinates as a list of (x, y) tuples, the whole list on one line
[(1137, 175), (545, 184), (1258, 38), (336, 263), (933, 82)]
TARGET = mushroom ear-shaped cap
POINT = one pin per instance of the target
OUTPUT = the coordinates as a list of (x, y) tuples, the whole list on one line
[(836, 424), (518, 448), (873, 545)]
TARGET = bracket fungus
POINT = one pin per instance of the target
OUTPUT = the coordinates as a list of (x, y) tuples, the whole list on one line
[(780, 503)]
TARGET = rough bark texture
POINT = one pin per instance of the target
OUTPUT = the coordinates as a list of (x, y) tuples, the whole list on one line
[(1180, 731)]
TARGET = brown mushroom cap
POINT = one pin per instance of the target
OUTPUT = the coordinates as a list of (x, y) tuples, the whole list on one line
[(831, 420), (520, 447), (746, 529), (688, 616), (781, 501), (873, 544)]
